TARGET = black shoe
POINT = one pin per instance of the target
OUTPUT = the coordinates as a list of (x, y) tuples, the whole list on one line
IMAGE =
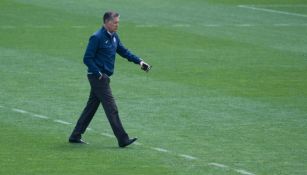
[(79, 141), (127, 142)]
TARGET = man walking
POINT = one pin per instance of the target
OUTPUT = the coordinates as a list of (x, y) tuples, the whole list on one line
[(99, 58)]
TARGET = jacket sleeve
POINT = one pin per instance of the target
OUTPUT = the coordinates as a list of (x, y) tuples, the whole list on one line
[(90, 55), (124, 52)]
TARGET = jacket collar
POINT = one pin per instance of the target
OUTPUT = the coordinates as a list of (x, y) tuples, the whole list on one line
[(107, 33)]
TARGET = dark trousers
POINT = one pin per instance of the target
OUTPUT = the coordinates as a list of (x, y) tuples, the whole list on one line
[(100, 93)]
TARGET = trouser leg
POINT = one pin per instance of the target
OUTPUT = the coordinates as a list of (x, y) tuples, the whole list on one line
[(103, 92), (86, 116), (111, 112)]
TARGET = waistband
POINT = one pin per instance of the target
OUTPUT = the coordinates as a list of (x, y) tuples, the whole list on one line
[(103, 72)]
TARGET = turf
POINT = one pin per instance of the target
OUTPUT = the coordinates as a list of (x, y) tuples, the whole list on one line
[(228, 86)]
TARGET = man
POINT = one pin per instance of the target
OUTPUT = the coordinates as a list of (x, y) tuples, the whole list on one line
[(99, 58)]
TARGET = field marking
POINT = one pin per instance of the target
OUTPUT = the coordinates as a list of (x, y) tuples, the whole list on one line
[(241, 171), (41, 26), (1, 106), (137, 143), (212, 25), (187, 156), (19, 111), (89, 129), (273, 11), (62, 122), (181, 25), (218, 165), (107, 135), (159, 149), (244, 172), (279, 5), (281, 24), (40, 116), (6, 27), (244, 25)]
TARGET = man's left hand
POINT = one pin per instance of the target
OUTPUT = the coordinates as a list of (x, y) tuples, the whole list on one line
[(145, 66)]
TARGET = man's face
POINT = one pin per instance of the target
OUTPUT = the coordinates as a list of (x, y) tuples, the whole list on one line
[(112, 25)]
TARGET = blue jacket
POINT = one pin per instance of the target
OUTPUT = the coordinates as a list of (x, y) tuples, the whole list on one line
[(100, 53)]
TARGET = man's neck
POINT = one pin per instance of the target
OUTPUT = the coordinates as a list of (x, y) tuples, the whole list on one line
[(110, 33)]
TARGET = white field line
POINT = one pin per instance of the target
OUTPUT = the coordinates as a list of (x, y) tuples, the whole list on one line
[(181, 25), (89, 129), (187, 156), (159, 149), (40, 116), (282, 25), (26, 112), (107, 135), (62, 122), (272, 11), (244, 25), (218, 165), (244, 172), (279, 5), (19, 111), (137, 143), (178, 26), (41, 26), (212, 25)]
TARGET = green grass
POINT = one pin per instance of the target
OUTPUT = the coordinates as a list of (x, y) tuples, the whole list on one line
[(228, 94)]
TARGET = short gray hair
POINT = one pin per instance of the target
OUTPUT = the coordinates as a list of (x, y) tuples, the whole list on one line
[(110, 15)]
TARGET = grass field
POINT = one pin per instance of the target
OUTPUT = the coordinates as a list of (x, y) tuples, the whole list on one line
[(227, 94)]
